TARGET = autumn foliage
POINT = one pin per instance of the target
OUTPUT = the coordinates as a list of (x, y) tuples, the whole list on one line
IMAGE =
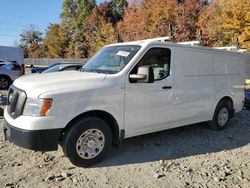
[(86, 27)]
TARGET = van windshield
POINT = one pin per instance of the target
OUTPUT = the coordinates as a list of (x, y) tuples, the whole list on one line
[(111, 59)]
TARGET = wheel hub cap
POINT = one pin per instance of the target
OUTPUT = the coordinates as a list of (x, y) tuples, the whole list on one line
[(3, 83), (90, 144), (223, 116)]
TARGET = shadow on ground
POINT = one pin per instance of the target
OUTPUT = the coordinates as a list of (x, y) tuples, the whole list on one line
[(181, 142)]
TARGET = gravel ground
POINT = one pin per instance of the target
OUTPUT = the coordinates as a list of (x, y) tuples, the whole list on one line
[(191, 156)]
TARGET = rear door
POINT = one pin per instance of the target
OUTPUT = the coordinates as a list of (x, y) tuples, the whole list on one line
[(149, 106)]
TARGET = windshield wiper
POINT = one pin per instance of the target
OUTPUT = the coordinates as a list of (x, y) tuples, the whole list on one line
[(91, 70), (99, 71)]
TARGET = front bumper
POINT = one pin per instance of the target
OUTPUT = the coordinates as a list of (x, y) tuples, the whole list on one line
[(38, 140)]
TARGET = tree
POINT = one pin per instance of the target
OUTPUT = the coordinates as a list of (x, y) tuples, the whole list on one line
[(100, 32), (210, 23), (224, 21), (128, 28), (74, 15), (30, 41), (56, 41), (236, 22), (187, 18), (147, 19), (113, 10), (30, 35)]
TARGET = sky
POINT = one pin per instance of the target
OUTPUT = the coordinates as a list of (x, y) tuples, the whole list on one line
[(16, 15)]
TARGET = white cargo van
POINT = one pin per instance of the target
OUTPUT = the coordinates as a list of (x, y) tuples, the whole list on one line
[(125, 90), (11, 65)]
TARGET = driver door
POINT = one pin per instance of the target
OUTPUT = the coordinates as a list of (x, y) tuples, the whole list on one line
[(149, 106)]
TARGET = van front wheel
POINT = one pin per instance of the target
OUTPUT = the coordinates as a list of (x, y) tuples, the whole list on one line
[(221, 116), (87, 141)]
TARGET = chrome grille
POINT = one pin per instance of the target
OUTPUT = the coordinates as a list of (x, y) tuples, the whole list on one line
[(16, 101)]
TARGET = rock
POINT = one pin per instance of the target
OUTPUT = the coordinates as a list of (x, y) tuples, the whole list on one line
[(161, 161), (66, 174), (74, 181), (49, 178), (48, 158), (216, 179), (19, 164), (223, 174), (157, 176), (60, 178), (157, 170), (239, 177), (71, 168), (10, 185), (227, 170)]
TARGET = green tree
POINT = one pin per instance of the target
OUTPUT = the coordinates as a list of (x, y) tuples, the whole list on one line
[(113, 10), (74, 15), (56, 41)]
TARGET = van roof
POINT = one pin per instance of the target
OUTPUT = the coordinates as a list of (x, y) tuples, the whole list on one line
[(149, 42)]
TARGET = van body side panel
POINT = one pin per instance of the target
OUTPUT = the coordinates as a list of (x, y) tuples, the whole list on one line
[(229, 77), (194, 86)]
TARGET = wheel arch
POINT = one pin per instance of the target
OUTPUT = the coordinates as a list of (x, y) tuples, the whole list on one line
[(6, 76), (230, 102), (117, 135)]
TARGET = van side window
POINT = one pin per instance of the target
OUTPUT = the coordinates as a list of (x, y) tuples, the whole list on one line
[(159, 59)]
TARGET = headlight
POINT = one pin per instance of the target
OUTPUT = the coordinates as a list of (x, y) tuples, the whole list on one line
[(37, 107)]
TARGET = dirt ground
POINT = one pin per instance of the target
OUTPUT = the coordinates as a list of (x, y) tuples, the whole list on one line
[(191, 156)]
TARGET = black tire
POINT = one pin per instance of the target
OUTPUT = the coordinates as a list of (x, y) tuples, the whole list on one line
[(223, 107), (5, 82), (83, 127)]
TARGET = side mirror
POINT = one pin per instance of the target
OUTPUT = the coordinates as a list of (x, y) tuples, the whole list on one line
[(144, 74)]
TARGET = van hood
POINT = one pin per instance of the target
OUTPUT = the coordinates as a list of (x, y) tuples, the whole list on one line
[(37, 84)]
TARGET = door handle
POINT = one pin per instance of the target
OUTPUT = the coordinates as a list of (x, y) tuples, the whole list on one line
[(167, 87)]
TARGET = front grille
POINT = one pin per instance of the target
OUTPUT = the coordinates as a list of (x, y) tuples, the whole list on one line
[(16, 101)]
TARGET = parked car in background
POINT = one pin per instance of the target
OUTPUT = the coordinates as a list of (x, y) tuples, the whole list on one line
[(13, 54), (9, 71), (247, 95), (64, 67), (12, 65), (41, 69)]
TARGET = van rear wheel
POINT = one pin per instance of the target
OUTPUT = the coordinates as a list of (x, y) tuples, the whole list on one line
[(221, 116), (87, 141)]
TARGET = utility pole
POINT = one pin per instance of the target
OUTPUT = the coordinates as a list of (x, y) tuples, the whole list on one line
[(170, 32), (237, 43), (200, 37)]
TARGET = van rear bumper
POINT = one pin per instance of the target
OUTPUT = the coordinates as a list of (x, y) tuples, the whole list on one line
[(38, 140)]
